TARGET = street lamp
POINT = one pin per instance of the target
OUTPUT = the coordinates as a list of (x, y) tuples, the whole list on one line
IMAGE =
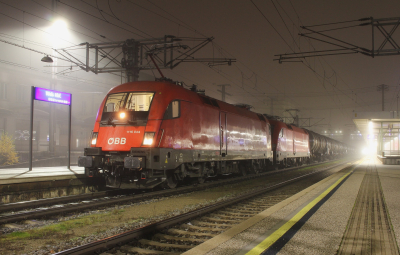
[(47, 59)]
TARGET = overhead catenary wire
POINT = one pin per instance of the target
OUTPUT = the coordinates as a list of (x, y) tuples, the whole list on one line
[(69, 20), (335, 87), (339, 22), (93, 82), (48, 20), (93, 16), (23, 40), (185, 25), (265, 17), (294, 9), (115, 17), (24, 23)]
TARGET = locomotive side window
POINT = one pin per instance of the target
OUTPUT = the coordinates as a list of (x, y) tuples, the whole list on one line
[(281, 133), (173, 110)]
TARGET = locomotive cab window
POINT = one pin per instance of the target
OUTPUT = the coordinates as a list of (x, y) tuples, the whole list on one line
[(173, 110), (139, 102), (127, 108)]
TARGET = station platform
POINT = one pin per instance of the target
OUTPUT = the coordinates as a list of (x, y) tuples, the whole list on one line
[(351, 212), (20, 184), (23, 175)]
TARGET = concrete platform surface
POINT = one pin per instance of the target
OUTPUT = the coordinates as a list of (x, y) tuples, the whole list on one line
[(322, 232), (22, 175)]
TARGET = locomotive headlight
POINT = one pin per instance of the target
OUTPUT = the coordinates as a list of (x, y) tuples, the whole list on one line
[(148, 138), (94, 138), (122, 115)]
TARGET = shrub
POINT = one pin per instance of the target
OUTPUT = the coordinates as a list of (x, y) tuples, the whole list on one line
[(8, 155)]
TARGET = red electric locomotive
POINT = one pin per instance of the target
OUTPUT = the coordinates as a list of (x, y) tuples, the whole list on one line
[(152, 133), (289, 144)]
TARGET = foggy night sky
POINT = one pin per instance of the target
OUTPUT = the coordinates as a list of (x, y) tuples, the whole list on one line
[(329, 87)]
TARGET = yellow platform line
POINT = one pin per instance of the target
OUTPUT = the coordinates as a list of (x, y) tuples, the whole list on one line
[(270, 240)]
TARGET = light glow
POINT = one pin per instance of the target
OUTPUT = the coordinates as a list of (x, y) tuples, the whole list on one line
[(60, 33), (366, 151), (372, 144), (122, 115), (94, 138), (148, 138)]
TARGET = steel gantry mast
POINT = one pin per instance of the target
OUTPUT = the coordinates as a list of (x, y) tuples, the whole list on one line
[(383, 39), (130, 56)]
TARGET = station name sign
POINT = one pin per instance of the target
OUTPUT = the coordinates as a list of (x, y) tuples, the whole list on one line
[(52, 96)]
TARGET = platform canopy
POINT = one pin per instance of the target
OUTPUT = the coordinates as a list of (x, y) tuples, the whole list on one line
[(380, 130)]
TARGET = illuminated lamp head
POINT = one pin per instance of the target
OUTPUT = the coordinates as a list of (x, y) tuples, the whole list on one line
[(122, 115), (59, 31)]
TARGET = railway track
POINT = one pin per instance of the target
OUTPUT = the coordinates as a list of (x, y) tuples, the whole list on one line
[(183, 232), (65, 205)]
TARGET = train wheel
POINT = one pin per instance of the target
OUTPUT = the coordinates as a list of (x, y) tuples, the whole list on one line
[(171, 182)]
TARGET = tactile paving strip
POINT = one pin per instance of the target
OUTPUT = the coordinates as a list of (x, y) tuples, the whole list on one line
[(369, 229)]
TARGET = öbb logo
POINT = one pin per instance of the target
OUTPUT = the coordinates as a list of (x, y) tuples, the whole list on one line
[(117, 140)]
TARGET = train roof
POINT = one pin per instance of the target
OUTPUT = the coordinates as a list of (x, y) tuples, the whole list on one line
[(173, 91)]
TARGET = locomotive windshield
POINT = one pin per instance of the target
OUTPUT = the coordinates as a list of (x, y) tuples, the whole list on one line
[(134, 101), (127, 108)]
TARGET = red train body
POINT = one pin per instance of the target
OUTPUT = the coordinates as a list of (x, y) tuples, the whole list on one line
[(152, 133), (290, 144), (169, 133)]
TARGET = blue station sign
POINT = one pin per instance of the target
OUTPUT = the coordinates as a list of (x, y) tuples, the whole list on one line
[(52, 96)]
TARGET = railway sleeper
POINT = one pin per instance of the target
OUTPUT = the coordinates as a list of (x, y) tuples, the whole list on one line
[(241, 214), (179, 232), (263, 205), (157, 245), (273, 200), (177, 239), (204, 223), (244, 211), (251, 207), (228, 217), (211, 219), (137, 250), (202, 229)]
